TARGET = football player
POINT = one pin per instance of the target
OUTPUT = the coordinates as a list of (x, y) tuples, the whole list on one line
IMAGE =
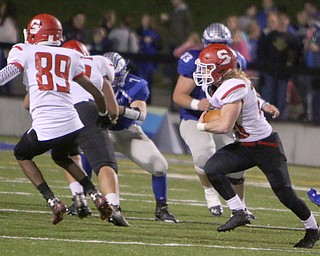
[(48, 73), (192, 102), (93, 140), (128, 138), (256, 144)]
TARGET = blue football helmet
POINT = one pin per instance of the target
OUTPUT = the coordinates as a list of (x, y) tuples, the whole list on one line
[(120, 68), (216, 33)]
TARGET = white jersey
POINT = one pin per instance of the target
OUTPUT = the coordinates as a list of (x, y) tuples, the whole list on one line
[(48, 72), (251, 124), (96, 68)]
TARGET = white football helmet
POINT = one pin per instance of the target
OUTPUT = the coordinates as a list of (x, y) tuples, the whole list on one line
[(216, 33), (120, 68)]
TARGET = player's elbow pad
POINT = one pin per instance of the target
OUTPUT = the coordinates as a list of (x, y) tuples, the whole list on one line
[(134, 114)]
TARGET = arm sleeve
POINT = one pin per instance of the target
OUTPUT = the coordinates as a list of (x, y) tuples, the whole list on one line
[(8, 73)]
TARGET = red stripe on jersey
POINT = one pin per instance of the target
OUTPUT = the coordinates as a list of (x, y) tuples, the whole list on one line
[(18, 65), (233, 89), (18, 47), (77, 76)]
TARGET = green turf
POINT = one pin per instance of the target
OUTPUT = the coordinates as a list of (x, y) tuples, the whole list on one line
[(25, 227)]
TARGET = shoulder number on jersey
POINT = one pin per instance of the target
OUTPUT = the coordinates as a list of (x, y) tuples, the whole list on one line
[(186, 57)]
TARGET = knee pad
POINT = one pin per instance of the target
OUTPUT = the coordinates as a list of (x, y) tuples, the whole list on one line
[(200, 161), (20, 154), (236, 178), (159, 168), (199, 170), (236, 181)]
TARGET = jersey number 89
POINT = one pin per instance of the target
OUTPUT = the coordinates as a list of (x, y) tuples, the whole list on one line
[(46, 75)]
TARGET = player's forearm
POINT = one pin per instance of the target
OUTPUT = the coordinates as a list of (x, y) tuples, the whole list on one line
[(186, 101), (8, 73)]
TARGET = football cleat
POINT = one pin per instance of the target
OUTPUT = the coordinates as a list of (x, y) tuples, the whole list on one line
[(238, 218), (81, 205), (250, 215), (314, 196), (58, 209), (117, 218), (216, 210), (309, 239), (162, 214), (102, 204)]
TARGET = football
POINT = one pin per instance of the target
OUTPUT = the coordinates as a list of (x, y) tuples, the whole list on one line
[(211, 115)]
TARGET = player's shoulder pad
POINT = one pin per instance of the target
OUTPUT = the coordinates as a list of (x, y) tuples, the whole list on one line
[(232, 90)]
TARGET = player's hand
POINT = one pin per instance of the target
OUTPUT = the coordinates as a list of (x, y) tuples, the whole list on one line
[(201, 118), (204, 105), (104, 122), (271, 109)]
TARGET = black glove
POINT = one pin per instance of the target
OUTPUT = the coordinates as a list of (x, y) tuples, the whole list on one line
[(104, 122)]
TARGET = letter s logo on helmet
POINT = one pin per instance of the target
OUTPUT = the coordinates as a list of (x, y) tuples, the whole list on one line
[(43, 29), (213, 63)]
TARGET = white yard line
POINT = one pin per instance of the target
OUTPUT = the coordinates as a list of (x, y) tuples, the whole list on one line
[(158, 244)]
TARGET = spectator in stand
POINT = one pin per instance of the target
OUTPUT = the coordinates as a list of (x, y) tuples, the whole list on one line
[(285, 19), (311, 8), (303, 82), (100, 43), (254, 33), (250, 15), (312, 60), (8, 34), (277, 51), (75, 29), (180, 26), (123, 39), (193, 43), (150, 45), (262, 16), (240, 38), (302, 26), (109, 20)]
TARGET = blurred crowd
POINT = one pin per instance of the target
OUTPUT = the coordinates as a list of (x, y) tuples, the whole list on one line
[(266, 35)]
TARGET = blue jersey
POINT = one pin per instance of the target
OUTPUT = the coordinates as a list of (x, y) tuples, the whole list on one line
[(186, 67), (135, 88)]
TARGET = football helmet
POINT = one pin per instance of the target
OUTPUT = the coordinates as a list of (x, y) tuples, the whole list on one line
[(216, 33), (44, 29), (213, 63), (76, 45), (120, 68)]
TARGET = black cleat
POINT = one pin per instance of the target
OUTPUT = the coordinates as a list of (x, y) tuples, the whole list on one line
[(81, 205), (117, 218), (250, 215), (238, 218), (162, 214), (309, 239), (58, 209), (102, 204), (71, 210), (216, 210)]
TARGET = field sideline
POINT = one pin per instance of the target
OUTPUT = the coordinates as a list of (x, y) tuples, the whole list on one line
[(26, 228)]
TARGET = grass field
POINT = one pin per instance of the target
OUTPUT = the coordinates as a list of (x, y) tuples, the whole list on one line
[(25, 227)]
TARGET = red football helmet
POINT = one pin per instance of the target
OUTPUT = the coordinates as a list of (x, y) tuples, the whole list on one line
[(213, 63), (43, 29), (78, 46)]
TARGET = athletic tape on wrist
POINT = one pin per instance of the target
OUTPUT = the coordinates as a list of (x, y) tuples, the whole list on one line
[(194, 104), (200, 126)]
